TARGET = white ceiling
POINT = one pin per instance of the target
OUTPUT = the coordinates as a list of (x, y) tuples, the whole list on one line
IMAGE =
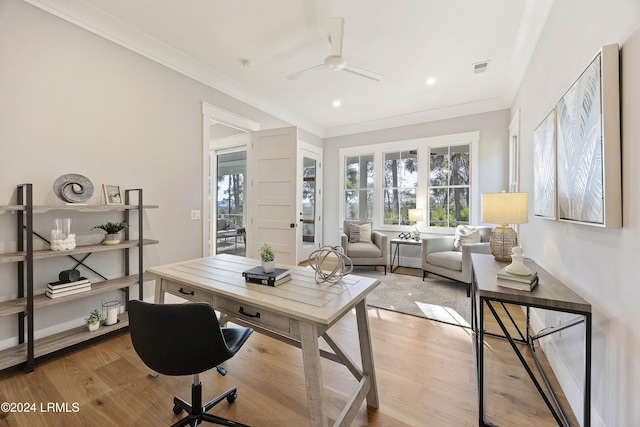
[(407, 41)]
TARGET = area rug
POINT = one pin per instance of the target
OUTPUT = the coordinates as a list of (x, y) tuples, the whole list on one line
[(436, 299)]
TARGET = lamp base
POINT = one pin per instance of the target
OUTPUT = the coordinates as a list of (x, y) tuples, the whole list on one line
[(502, 240)]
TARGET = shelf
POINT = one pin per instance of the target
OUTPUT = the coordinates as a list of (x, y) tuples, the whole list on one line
[(48, 253), (15, 355), (77, 208)]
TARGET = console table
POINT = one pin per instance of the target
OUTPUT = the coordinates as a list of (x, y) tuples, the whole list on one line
[(550, 294), (297, 312)]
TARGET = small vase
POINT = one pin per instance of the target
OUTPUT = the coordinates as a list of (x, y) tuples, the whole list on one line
[(268, 266), (111, 239), (93, 326)]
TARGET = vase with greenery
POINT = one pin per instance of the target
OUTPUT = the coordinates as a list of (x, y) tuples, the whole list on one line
[(268, 258), (94, 319), (112, 229)]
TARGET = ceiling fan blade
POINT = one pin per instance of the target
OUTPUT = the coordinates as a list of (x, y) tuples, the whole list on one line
[(362, 72), (300, 73), (337, 33)]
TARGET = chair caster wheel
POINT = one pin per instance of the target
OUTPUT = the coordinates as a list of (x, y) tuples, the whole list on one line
[(177, 410), (232, 397)]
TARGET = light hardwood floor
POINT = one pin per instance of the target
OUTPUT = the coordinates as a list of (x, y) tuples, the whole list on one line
[(425, 373)]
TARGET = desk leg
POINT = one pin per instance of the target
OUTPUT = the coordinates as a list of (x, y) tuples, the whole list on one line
[(159, 295), (313, 374), (366, 352)]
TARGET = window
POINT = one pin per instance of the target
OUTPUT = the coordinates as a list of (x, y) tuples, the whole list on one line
[(358, 187), (449, 186), (381, 182), (400, 186)]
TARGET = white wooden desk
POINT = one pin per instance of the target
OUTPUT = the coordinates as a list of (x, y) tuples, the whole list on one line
[(297, 312)]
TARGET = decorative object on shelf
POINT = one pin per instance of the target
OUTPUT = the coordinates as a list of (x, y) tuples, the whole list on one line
[(112, 194), (517, 263), (268, 258), (61, 236), (67, 276), (504, 208), (94, 319), (330, 256), (416, 215), (73, 188), (112, 229), (110, 311)]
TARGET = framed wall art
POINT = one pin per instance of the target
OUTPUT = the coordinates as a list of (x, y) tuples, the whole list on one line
[(544, 168), (112, 194), (588, 145)]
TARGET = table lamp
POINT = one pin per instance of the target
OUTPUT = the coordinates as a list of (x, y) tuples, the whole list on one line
[(416, 215), (504, 208)]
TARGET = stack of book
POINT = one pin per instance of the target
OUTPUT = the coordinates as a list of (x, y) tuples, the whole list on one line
[(63, 289), (275, 278), (522, 282)]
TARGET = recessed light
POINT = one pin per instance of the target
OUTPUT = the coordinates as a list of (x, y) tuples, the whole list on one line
[(431, 81), (337, 103)]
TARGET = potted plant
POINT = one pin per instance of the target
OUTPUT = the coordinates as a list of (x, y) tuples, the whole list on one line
[(94, 319), (112, 229), (268, 258)]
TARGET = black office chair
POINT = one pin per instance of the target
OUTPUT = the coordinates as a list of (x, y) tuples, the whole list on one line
[(186, 339)]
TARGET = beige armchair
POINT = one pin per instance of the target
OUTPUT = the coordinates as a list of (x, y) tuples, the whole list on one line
[(365, 252), (450, 256)]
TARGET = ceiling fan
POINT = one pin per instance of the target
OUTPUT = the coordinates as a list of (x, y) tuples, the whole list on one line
[(335, 61)]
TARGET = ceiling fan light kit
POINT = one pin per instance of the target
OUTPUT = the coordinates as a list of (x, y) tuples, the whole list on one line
[(335, 61)]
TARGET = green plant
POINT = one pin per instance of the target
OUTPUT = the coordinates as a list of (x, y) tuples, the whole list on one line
[(112, 227), (94, 317), (266, 253)]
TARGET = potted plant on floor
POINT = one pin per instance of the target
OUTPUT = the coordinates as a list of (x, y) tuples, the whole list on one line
[(112, 229), (268, 258), (94, 319)]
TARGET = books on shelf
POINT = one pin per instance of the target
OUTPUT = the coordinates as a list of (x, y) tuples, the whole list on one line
[(275, 278), (67, 292), (523, 282), (61, 289)]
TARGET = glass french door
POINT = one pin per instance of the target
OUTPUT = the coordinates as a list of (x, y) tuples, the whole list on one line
[(230, 201), (309, 227)]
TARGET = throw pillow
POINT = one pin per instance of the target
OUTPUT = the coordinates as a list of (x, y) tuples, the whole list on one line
[(359, 233), (465, 234)]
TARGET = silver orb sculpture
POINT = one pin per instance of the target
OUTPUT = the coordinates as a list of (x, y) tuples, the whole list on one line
[(330, 264)]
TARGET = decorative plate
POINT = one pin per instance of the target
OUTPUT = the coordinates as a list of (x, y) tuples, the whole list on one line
[(73, 188)]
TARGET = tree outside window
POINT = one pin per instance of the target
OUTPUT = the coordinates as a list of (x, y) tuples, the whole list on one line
[(358, 191), (400, 186), (449, 186)]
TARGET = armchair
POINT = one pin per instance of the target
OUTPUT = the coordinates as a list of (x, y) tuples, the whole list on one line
[(365, 251), (450, 256)]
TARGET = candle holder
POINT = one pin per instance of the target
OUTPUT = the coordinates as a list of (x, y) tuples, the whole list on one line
[(61, 236), (110, 311)]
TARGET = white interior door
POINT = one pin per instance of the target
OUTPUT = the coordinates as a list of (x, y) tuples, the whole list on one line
[(309, 230), (273, 176)]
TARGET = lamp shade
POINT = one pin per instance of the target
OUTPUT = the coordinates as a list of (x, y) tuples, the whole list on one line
[(505, 208), (416, 215)]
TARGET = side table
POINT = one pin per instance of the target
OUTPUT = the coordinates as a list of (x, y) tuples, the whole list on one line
[(396, 254)]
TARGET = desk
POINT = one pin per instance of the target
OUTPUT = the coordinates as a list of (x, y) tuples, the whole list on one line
[(297, 313), (550, 294), (396, 254)]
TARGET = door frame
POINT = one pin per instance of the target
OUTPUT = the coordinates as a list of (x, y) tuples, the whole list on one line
[(211, 115)]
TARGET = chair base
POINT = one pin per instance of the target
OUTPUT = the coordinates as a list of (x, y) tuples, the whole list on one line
[(197, 413), (467, 285)]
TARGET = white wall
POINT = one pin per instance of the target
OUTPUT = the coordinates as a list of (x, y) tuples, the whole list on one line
[(599, 264), (492, 150), (72, 102)]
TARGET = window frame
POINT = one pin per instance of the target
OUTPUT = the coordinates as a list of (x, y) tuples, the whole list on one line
[(422, 145)]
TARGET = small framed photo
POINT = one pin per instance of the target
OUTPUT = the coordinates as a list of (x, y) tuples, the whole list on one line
[(112, 194)]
